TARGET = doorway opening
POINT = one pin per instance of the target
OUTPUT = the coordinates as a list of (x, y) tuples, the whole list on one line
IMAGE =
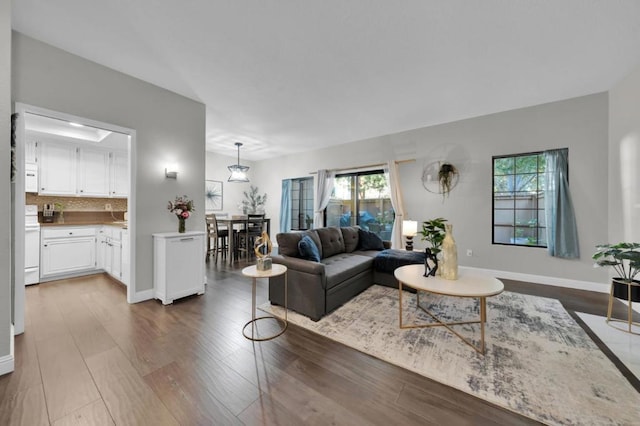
[(71, 173)]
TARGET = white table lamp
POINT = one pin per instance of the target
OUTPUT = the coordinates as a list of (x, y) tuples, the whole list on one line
[(409, 229)]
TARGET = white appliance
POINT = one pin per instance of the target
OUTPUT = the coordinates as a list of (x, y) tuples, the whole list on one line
[(30, 177), (31, 245)]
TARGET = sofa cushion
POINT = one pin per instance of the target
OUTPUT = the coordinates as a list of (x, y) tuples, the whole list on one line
[(331, 241), (369, 241), (350, 237), (388, 260), (308, 249), (288, 242), (342, 266)]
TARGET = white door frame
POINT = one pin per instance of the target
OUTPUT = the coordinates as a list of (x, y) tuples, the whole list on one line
[(18, 255)]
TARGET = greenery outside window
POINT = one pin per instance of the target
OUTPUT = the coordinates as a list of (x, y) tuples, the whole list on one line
[(518, 200), (363, 199)]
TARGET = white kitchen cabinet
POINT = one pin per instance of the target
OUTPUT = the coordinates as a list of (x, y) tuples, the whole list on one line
[(178, 267), (109, 245), (73, 169), (126, 262), (67, 250), (57, 168), (101, 249), (116, 260), (119, 174), (93, 172)]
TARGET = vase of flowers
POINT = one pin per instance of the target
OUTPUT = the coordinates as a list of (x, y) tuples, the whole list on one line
[(182, 208)]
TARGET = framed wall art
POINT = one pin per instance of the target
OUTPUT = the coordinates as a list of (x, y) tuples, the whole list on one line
[(213, 194)]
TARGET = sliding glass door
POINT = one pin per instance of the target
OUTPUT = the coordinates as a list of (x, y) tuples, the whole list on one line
[(302, 203), (362, 199)]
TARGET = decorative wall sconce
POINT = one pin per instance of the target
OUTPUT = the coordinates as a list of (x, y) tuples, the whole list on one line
[(238, 172), (171, 172), (409, 230)]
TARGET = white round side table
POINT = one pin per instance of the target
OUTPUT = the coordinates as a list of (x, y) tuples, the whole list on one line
[(254, 273)]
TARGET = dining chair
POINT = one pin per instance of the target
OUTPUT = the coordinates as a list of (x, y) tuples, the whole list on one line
[(253, 227), (218, 236)]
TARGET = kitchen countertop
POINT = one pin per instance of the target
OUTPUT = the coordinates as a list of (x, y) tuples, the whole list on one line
[(122, 225)]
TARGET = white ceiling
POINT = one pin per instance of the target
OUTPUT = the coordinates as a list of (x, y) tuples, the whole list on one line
[(53, 126), (286, 76)]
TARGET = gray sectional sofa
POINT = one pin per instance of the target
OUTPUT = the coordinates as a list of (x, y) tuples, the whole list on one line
[(346, 268)]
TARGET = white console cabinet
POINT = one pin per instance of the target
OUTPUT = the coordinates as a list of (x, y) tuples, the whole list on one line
[(178, 265)]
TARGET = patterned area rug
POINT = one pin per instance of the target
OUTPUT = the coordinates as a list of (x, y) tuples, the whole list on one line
[(539, 362)]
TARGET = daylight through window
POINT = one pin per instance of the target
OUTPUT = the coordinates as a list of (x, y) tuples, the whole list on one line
[(518, 200), (362, 199)]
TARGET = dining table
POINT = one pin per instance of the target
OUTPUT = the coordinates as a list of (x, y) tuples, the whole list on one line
[(239, 223)]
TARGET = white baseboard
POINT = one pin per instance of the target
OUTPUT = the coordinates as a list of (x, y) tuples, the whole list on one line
[(541, 279), (143, 295), (7, 363)]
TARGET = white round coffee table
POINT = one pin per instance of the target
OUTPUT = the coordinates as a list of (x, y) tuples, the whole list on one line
[(468, 284), (254, 273)]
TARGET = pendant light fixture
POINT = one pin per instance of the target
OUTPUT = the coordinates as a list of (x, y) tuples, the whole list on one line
[(238, 172)]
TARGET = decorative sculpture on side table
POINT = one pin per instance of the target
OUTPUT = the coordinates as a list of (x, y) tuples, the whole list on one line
[(262, 248), (430, 263)]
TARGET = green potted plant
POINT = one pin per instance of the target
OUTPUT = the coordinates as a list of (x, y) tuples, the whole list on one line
[(309, 221), (253, 202), (624, 258), (433, 232)]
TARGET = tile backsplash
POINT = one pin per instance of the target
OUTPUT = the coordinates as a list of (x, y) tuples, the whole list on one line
[(78, 204)]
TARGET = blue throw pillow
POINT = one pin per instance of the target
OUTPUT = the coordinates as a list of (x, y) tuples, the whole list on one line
[(369, 241), (308, 249)]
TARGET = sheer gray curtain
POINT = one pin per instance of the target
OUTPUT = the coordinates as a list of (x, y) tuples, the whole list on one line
[(285, 206), (324, 187), (562, 232), (391, 173)]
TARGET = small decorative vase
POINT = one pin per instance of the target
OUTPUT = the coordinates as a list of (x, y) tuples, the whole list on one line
[(181, 224), (449, 255)]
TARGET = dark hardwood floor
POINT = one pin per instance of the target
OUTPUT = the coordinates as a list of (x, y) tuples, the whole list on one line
[(87, 357)]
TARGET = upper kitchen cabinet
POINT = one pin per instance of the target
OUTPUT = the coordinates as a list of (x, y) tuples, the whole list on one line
[(74, 159), (72, 169), (93, 172), (58, 173), (119, 174)]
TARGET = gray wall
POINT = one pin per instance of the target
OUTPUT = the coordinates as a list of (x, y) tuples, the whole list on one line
[(581, 124), (5, 188), (624, 157), (170, 129)]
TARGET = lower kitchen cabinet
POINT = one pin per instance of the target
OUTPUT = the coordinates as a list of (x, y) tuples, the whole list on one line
[(67, 250), (109, 246), (178, 260), (126, 261)]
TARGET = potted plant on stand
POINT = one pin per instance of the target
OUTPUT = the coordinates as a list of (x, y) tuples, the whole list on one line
[(624, 258)]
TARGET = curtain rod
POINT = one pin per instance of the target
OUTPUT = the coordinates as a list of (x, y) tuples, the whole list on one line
[(410, 160)]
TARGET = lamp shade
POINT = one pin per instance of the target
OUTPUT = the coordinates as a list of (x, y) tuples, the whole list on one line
[(238, 172), (409, 228)]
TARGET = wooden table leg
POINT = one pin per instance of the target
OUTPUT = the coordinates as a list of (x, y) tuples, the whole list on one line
[(400, 301), (483, 319)]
